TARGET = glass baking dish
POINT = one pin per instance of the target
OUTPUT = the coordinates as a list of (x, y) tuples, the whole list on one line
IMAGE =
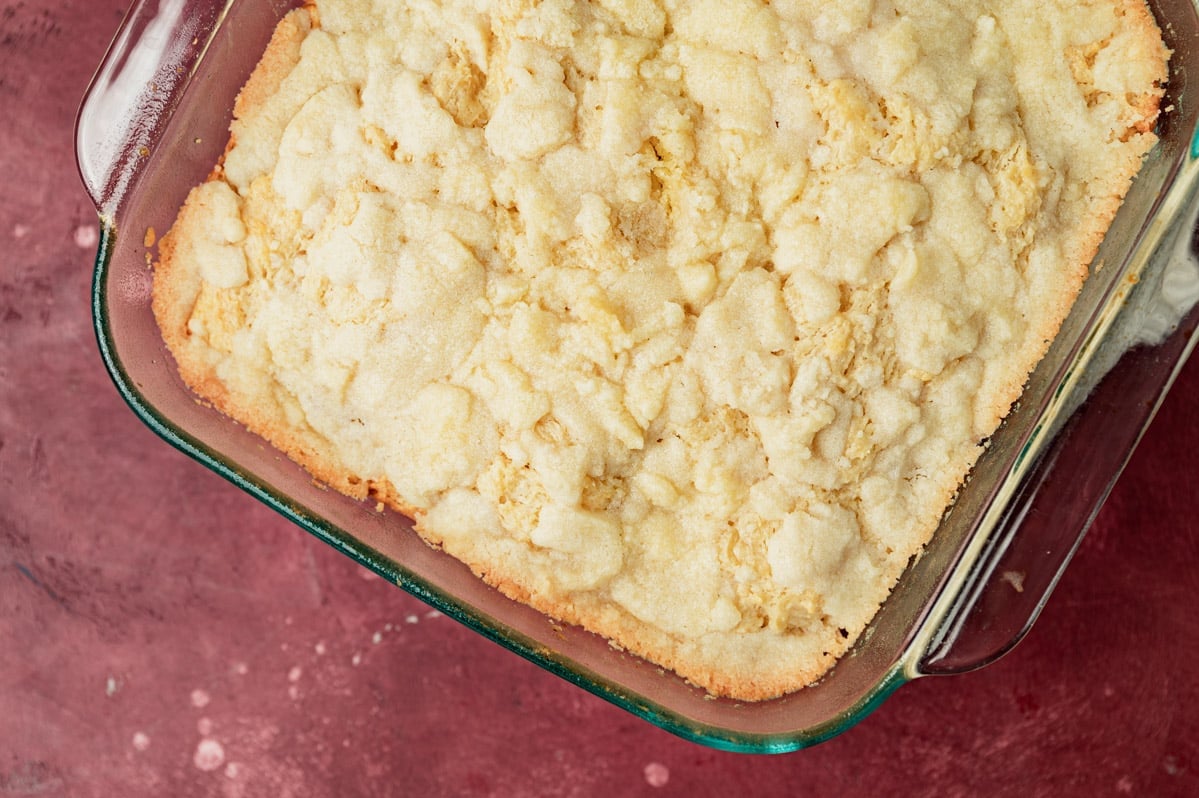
[(154, 121)]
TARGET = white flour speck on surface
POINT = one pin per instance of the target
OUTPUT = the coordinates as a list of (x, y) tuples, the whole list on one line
[(204, 727), (241, 668), (19, 231), (295, 673), (200, 698), (356, 659), (86, 236), (387, 627), (412, 619), (293, 692), (111, 686), (141, 741), (210, 755), (232, 770), (320, 649), (656, 774), (1015, 579), (431, 614), (377, 638)]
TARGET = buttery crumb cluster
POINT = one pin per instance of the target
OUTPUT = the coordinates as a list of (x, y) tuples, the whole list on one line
[(680, 319)]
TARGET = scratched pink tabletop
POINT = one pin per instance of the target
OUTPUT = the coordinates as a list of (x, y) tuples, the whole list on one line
[(162, 634)]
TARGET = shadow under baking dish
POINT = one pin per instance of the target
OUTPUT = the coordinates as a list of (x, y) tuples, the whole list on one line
[(154, 121)]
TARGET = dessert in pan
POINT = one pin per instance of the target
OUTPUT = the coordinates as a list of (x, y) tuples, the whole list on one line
[(682, 321)]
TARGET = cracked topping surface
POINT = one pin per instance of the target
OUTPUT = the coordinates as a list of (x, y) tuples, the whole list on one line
[(680, 320)]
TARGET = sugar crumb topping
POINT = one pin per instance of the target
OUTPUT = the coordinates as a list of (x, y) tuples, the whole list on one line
[(681, 319)]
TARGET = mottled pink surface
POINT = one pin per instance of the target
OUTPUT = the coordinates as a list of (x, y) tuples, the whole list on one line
[(162, 634)]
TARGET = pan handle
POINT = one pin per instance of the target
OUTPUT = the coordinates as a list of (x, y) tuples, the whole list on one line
[(131, 97)]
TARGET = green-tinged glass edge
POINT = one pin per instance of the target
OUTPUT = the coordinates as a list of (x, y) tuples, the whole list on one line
[(529, 649)]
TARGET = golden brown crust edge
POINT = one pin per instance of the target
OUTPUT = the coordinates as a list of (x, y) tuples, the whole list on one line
[(1101, 213)]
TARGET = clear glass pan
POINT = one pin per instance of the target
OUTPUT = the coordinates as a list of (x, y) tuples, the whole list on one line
[(155, 120)]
